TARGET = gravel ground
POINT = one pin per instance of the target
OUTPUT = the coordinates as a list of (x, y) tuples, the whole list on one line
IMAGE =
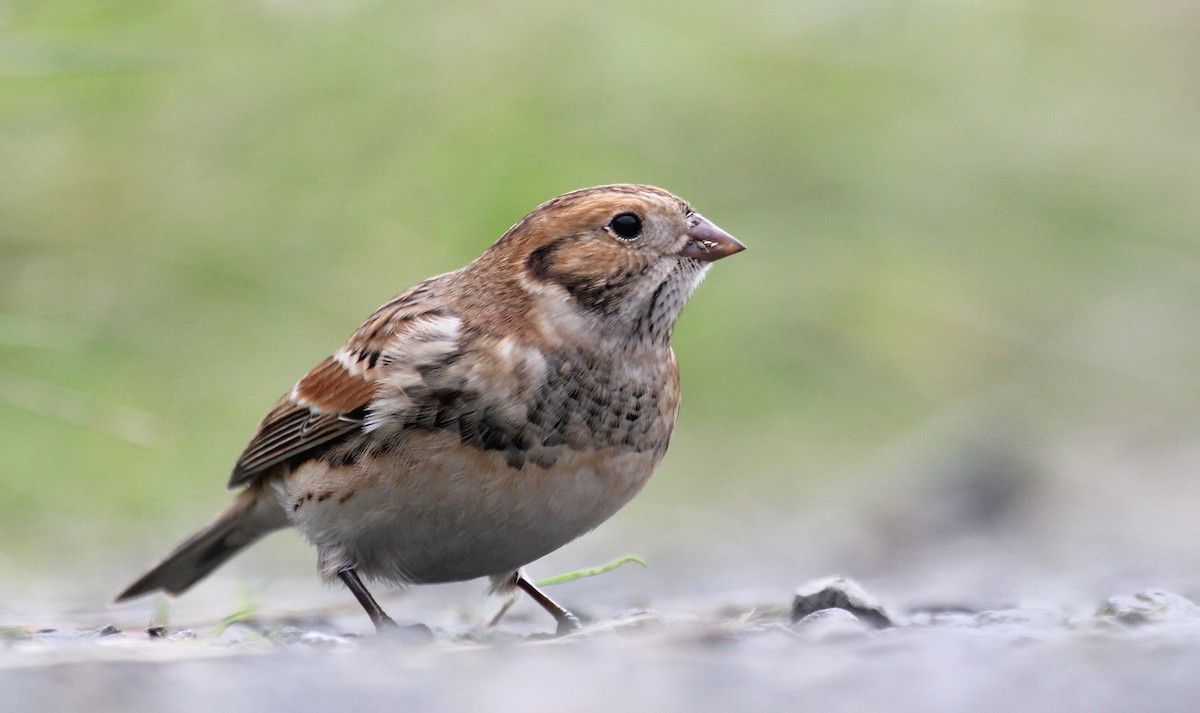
[(1132, 652), (1004, 594)]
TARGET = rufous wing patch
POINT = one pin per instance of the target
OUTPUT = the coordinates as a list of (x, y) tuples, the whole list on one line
[(328, 403), (331, 400)]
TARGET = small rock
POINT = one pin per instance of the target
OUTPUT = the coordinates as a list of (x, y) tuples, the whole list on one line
[(1148, 606), (828, 625), (839, 593)]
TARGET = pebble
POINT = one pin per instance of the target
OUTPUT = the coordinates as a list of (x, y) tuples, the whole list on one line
[(1152, 605), (828, 625), (840, 593)]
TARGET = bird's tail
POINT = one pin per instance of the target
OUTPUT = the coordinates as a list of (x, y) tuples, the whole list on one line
[(254, 513)]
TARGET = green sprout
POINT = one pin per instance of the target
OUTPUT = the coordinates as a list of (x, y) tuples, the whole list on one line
[(567, 577)]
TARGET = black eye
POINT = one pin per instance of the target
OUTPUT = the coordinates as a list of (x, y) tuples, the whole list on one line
[(626, 225)]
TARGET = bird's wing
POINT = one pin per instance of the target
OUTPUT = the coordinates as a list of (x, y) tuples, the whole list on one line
[(331, 402)]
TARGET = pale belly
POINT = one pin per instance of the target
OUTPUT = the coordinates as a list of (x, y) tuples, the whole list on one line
[(460, 514)]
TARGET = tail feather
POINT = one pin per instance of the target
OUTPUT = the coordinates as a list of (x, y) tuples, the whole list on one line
[(253, 514)]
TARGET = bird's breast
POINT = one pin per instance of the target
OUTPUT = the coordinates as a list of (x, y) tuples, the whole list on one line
[(532, 405), (478, 469), (437, 511)]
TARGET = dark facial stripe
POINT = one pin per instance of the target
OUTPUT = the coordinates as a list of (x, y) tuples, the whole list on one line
[(541, 261), (606, 294)]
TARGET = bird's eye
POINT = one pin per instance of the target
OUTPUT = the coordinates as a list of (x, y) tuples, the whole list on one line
[(626, 225)]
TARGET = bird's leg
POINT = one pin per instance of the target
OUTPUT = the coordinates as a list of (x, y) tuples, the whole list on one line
[(567, 622), (381, 620)]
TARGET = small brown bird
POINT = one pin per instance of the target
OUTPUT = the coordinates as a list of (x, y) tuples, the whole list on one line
[(485, 417)]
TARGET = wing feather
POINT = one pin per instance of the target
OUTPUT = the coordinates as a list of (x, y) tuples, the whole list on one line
[(331, 402)]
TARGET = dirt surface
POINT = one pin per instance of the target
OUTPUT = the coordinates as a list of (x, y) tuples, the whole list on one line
[(1131, 652)]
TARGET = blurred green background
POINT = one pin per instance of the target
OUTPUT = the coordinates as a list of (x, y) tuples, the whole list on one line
[(969, 222)]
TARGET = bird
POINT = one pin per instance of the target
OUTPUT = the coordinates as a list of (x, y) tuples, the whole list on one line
[(484, 417)]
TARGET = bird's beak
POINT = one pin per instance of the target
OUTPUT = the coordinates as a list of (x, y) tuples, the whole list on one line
[(707, 242)]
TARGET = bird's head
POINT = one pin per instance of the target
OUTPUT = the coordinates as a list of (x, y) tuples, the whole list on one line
[(621, 258)]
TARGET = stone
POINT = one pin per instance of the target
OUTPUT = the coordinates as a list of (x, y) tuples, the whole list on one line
[(840, 593), (1152, 605), (828, 625)]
